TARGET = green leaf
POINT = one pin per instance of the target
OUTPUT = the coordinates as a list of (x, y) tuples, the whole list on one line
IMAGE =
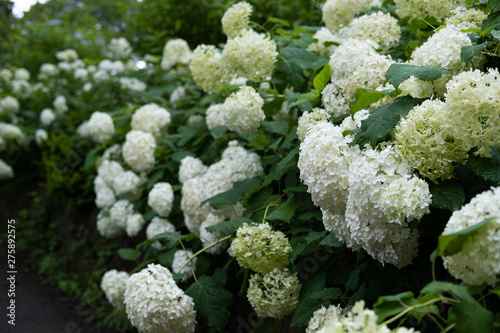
[(378, 126), (495, 34), (211, 302), (494, 5), (271, 108), (187, 133), (278, 127), (129, 254), (470, 317), (157, 175), (492, 19), (305, 102), (467, 52), (235, 194), (332, 241), (167, 239), (149, 215), (353, 281), (388, 306), (305, 311), (92, 157), (453, 243), (327, 294), (279, 21), (125, 195), (486, 168), (448, 195), (364, 98), (398, 73), (439, 287), (219, 130), (285, 164), (260, 140), (321, 80), (285, 211), (308, 305), (495, 290), (303, 58), (229, 227)]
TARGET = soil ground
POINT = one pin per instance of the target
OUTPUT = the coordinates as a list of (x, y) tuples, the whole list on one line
[(39, 307)]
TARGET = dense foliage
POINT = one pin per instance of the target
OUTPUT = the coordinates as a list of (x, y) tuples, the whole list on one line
[(299, 166)]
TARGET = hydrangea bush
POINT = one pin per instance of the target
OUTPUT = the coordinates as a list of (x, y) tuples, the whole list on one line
[(298, 175)]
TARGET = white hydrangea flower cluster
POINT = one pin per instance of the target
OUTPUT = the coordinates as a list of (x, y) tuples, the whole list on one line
[(437, 135), (47, 71), (339, 13), (417, 88), (274, 294), (158, 226), (178, 94), (134, 224), (47, 116), (236, 19), (423, 8), (208, 238), (120, 48), (112, 223), (40, 136), (358, 319), (260, 248), (100, 127), (355, 64), (449, 41), (60, 105), (175, 50), (80, 73), (161, 198), (180, 258), (10, 132), (155, 304), (209, 70), (242, 111), (379, 27), (9, 106), (309, 119), (251, 55), (334, 101), (236, 164), (191, 167), (214, 117), (139, 150), (474, 103), (21, 88), (22, 74), (6, 170), (424, 138), (68, 55), (323, 36), (105, 196), (151, 118), (111, 67), (6, 74), (132, 83), (114, 283), (356, 191), (321, 316), (479, 260), (466, 18)]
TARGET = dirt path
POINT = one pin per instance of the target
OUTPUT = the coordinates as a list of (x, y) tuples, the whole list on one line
[(39, 308)]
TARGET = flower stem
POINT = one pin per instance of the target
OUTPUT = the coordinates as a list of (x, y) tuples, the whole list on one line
[(203, 250)]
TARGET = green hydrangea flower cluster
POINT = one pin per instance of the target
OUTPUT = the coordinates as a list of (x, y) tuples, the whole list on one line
[(274, 294), (260, 248)]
